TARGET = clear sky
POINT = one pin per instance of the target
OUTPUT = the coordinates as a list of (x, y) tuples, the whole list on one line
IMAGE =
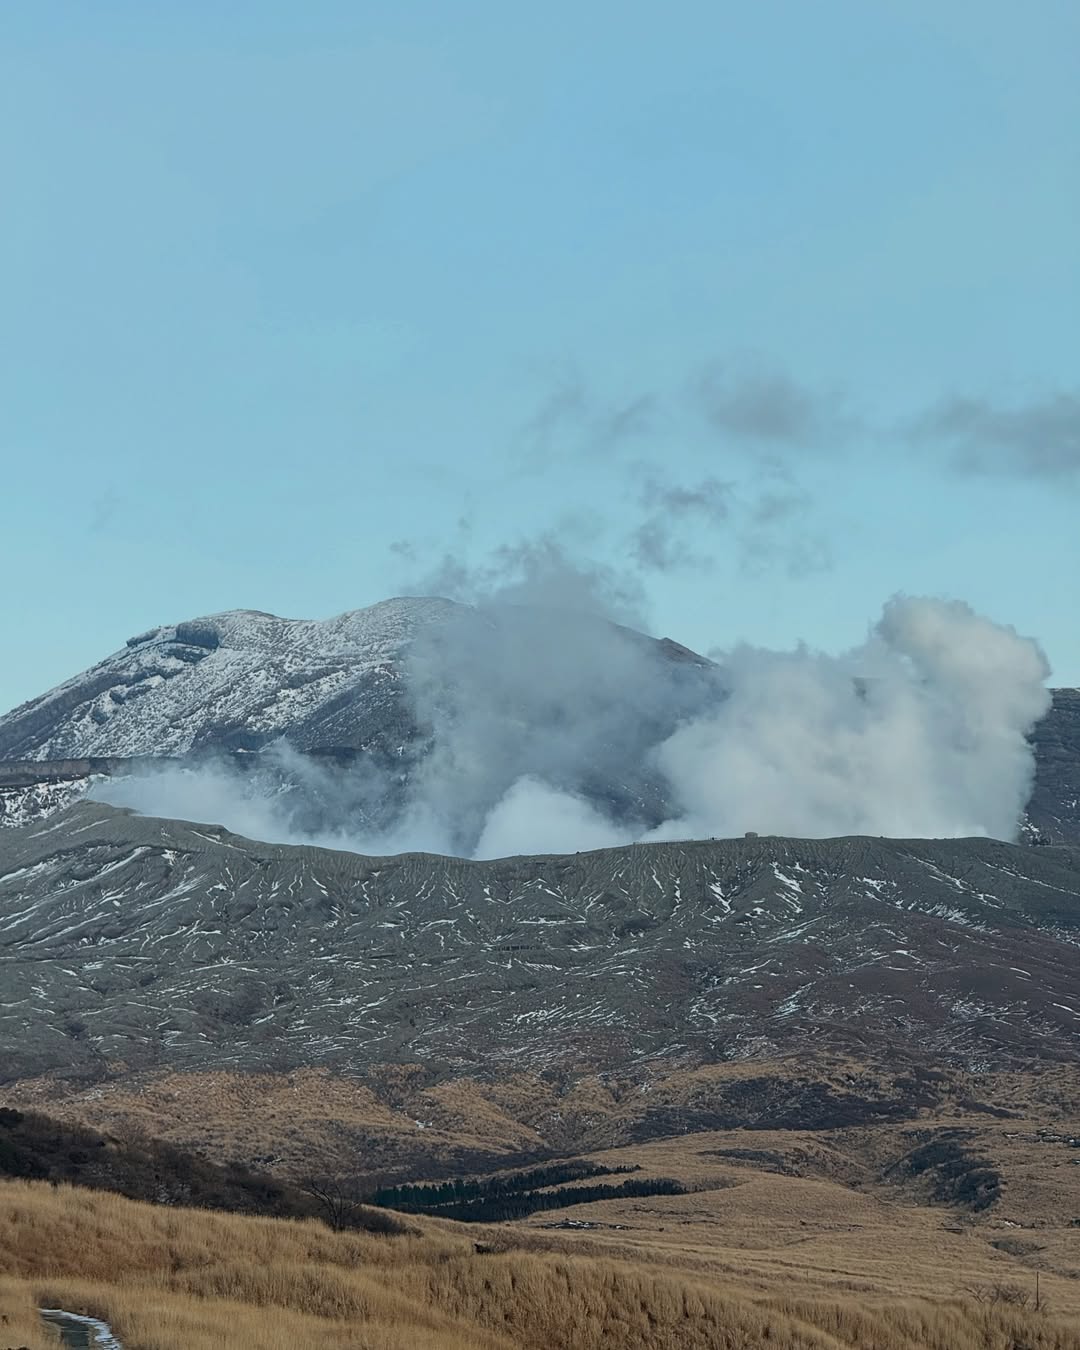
[(776, 305)]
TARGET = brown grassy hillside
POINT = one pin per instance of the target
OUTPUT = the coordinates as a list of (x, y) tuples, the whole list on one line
[(166, 1278), (408, 1120), (866, 1227)]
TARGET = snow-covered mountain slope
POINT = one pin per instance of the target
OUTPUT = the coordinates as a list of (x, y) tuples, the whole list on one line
[(235, 681), (240, 681), (140, 941), (27, 802), (379, 696)]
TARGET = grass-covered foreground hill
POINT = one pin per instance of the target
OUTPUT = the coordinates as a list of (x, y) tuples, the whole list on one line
[(167, 1277)]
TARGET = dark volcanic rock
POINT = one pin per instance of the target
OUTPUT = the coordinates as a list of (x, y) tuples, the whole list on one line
[(1054, 809), (125, 938)]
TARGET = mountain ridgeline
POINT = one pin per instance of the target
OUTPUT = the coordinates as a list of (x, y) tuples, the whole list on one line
[(339, 719), (144, 942), (137, 941), (359, 698)]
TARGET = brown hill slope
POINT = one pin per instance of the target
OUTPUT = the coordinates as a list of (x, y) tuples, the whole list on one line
[(166, 1278)]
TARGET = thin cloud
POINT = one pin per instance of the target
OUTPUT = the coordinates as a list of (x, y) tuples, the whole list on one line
[(767, 407), (565, 406), (628, 421), (573, 418), (777, 531), (659, 543), (1039, 439)]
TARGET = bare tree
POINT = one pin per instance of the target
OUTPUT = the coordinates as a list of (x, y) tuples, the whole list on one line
[(339, 1201)]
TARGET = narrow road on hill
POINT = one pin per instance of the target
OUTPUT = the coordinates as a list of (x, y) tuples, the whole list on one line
[(81, 1333)]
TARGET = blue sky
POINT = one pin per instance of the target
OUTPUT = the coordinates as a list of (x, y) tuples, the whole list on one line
[(297, 298)]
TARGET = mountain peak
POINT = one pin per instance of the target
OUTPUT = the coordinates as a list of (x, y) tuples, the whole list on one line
[(236, 679)]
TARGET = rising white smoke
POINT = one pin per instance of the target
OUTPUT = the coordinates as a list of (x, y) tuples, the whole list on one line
[(919, 732), (554, 731)]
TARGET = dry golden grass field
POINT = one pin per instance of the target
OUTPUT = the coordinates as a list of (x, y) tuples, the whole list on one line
[(812, 1238), (168, 1278)]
